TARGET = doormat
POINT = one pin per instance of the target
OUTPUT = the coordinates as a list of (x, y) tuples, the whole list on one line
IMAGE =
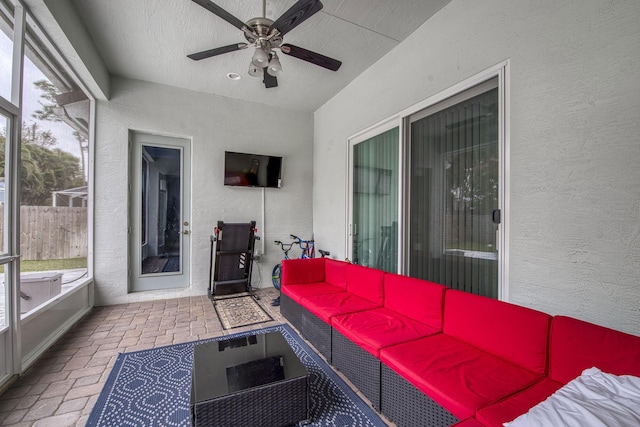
[(240, 311), (153, 265), (173, 264)]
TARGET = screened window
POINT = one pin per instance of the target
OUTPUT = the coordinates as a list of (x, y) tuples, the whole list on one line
[(44, 232), (4, 131), (6, 51), (53, 177)]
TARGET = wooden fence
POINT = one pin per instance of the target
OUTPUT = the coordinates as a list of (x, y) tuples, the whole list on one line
[(48, 232)]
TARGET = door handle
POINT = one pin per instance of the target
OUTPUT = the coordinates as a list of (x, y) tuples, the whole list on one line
[(496, 216)]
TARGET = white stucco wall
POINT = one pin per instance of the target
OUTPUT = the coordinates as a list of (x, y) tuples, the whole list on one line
[(574, 141), (214, 124)]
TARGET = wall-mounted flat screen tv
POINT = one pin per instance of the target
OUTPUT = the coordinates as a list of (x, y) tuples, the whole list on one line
[(252, 170)]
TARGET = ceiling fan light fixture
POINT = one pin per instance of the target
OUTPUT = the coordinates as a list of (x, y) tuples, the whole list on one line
[(255, 71), (266, 35), (260, 58), (274, 68)]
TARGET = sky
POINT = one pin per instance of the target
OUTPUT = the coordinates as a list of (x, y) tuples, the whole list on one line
[(63, 133)]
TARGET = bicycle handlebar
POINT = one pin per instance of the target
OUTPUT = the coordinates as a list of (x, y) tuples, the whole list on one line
[(305, 245), (297, 240)]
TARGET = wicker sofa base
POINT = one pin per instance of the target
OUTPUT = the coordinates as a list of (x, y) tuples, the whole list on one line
[(310, 326), (291, 310), (317, 332), (407, 406), (358, 365)]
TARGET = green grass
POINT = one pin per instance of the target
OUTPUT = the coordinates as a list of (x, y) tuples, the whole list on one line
[(51, 264)]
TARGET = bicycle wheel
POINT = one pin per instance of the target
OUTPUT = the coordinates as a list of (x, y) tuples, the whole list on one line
[(275, 276)]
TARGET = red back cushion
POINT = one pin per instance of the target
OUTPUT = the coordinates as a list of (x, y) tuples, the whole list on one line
[(335, 272), (365, 282), (300, 271), (576, 345), (514, 333), (418, 299)]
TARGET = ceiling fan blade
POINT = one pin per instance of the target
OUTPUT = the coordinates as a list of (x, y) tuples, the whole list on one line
[(217, 51), (309, 56), (269, 80), (297, 14), (214, 8)]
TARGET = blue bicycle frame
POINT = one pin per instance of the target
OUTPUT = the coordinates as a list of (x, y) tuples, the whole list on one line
[(308, 251)]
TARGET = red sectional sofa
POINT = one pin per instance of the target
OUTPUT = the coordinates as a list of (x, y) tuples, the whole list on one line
[(427, 355), (412, 309), (487, 350)]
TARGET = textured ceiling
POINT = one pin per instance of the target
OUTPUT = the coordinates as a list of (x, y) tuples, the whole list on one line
[(149, 40)]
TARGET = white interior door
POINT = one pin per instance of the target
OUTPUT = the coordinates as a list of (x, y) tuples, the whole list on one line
[(160, 195)]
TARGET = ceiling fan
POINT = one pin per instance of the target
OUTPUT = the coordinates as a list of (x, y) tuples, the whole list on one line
[(266, 36)]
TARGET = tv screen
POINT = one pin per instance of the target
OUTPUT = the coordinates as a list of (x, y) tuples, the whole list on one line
[(252, 170)]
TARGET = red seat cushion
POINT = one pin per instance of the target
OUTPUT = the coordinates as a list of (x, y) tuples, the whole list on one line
[(335, 272), (468, 423), (326, 306), (297, 292), (512, 407), (514, 333), (459, 377), (366, 283), (576, 345), (298, 271), (379, 328), (417, 299)]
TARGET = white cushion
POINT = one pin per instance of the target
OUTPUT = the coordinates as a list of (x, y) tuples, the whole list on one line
[(593, 399)]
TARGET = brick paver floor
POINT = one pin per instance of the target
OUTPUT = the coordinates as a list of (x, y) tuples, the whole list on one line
[(60, 389)]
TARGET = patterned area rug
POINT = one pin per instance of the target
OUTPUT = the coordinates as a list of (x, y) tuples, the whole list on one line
[(152, 388), (235, 312)]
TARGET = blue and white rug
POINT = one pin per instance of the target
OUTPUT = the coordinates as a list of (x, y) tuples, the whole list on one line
[(152, 387)]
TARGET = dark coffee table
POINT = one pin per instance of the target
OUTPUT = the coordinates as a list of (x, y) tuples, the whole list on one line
[(255, 380)]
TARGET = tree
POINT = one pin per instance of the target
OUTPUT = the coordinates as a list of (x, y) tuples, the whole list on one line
[(43, 169), (49, 92)]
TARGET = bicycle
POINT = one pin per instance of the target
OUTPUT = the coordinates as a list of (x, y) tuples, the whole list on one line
[(308, 251)]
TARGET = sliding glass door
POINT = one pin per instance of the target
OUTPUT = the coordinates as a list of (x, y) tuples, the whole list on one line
[(453, 207), (375, 196)]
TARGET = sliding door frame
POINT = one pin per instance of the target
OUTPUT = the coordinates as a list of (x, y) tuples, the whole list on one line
[(378, 129), (401, 120)]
